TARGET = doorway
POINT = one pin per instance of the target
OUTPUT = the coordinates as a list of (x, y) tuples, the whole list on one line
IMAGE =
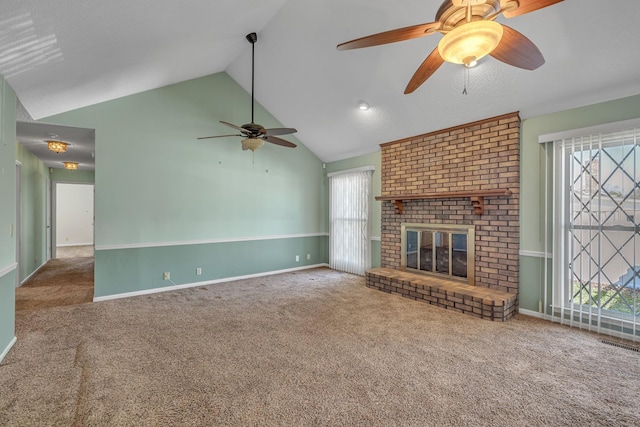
[(73, 231), (67, 278)]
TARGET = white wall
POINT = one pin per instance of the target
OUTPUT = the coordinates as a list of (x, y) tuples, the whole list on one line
[(74, 214)]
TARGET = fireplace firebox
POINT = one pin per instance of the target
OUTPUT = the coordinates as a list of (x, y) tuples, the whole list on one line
[(445, 250)]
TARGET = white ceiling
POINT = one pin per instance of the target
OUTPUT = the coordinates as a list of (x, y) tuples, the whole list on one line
[(66, 54)]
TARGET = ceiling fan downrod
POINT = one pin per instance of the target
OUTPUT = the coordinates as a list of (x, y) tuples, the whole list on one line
[(252, 38), (253, 134)]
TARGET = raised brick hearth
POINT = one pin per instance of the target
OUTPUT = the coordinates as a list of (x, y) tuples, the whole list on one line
[(483, 155), (474, 300)]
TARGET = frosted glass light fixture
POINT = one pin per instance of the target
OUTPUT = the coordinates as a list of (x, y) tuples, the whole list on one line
[(470, 42), (71, 165), (252, 144), (57, 146)]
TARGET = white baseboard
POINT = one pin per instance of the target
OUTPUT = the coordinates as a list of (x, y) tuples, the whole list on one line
[(533, 313), (69, 245), (34, 272), (204, 283), (536, 254), (6, 350)]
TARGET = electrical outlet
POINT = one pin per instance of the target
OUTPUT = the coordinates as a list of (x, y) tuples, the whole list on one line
[(308, 257), (198, 271), (297, 258), (167, 275)]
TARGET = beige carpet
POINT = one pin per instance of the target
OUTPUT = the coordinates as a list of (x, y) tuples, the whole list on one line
[(74, 251), (64, 281), (312, 348)]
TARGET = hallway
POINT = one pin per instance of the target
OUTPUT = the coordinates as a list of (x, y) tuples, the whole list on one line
[(74, 251), (61, 281)]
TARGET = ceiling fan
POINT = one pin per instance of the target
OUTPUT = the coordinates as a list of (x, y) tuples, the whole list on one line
[(470, 33), (254, 134)]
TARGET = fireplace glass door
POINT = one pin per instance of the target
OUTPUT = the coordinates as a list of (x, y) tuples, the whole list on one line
[(426, 251), (439, 249)]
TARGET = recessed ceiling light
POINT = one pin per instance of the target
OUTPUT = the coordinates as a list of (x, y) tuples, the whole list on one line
[(363, 105)]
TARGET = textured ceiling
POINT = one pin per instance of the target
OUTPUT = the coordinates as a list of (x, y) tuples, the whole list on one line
[(67, 54)]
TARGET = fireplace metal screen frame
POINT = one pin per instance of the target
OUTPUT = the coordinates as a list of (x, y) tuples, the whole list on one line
[(468, 230)]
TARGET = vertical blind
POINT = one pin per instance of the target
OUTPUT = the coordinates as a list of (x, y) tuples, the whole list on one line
[(596, 248), (350, 236)]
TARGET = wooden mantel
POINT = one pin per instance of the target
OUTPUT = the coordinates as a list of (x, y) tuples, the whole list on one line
[(476, 197)]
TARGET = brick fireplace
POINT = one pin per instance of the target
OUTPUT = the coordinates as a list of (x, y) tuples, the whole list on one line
[(466, 175)]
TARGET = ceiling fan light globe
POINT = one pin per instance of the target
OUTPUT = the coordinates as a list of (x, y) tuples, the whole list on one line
[(252, 143), (474, 39)]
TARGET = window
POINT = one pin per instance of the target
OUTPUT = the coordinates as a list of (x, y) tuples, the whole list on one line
[(350, 237), (596, 254)]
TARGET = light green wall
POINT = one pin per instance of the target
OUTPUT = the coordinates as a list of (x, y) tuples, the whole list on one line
[(7, 214), (144, 267), (155, 183), (533, 155), (7, 310), (33, 225), (371, 159), (63, 175)]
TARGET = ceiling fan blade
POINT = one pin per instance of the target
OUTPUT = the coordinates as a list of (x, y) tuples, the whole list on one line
[(392, 36), (279, 131), (279, 141), (526, 6), (517, 50), (218, 136), (428, 67), (243, 130)]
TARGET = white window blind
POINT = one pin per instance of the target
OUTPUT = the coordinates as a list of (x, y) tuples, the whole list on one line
[(349, 239), (596, 231)]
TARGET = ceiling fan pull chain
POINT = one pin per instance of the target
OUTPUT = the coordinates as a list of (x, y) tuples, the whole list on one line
[(465, 80)]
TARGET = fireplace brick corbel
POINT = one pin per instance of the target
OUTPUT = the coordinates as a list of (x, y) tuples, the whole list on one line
[(478, 204)]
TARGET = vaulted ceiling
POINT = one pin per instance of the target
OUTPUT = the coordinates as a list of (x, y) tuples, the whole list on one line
[(67, 54)]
